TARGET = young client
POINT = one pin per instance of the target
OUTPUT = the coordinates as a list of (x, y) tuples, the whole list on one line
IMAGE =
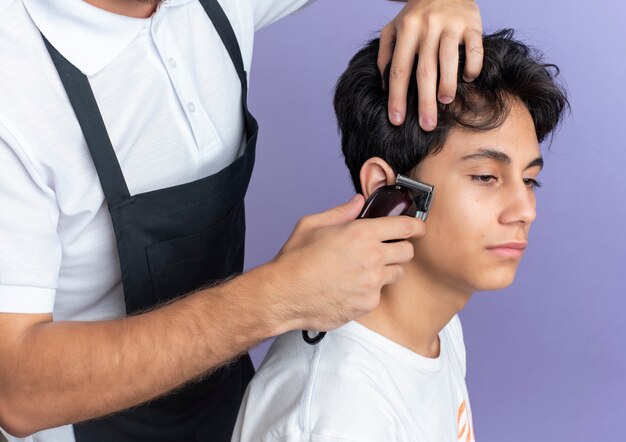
[(398, 373)]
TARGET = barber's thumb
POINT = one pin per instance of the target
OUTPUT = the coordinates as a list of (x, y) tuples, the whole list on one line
[(344, 213)]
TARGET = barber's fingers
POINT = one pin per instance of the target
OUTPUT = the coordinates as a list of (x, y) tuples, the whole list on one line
[(473, 54), (401, 72), (392, 274), (385, 51), (391, 228), (448, 66), (397, 252), (426, 75), (341, 214)]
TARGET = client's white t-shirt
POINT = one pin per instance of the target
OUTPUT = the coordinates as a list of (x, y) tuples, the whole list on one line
[(356, 385)]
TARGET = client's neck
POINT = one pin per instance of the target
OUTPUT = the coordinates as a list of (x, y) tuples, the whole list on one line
[(413, 311)]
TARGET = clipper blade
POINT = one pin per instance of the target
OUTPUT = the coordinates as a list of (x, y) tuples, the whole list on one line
[(423, 195)]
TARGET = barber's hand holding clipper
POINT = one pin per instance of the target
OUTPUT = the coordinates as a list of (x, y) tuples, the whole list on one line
[(332, 268)]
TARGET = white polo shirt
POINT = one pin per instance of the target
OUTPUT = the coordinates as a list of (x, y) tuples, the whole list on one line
[(171, 101)]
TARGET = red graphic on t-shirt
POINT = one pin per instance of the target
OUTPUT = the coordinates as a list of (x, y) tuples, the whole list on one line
[(465, 432)]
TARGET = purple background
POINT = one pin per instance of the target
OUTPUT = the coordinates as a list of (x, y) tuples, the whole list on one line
[(546, 359)]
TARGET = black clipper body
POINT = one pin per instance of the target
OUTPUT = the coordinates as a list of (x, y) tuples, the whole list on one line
[(406, 197)]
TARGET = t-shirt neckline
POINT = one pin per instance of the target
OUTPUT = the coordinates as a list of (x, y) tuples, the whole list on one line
[(399, 351)]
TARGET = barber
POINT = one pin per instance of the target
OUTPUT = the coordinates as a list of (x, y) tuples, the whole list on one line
[(126, 147)]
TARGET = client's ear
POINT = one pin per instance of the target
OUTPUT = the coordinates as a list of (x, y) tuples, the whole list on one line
[(375, 173)]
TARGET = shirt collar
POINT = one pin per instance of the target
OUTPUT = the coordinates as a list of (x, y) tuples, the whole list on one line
[(87, 36)]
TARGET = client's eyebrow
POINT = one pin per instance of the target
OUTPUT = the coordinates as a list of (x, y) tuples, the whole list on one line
[(499, 156)]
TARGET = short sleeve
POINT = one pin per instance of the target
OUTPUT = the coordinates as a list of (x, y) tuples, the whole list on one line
[(30, 248), (267, 12)]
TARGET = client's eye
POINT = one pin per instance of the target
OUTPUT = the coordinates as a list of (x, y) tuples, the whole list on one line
[(532, 183), (484, 179)]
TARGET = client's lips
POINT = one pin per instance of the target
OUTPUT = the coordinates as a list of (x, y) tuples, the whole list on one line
[(509, 249)]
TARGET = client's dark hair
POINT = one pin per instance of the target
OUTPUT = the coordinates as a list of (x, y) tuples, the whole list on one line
[(510, 70)]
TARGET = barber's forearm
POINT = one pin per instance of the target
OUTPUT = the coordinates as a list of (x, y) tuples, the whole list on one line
[(66, 372)]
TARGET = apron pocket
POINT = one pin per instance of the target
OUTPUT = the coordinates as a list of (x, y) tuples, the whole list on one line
[(181, 265)]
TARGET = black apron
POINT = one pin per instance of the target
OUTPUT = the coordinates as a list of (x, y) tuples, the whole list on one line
[(171, 241)]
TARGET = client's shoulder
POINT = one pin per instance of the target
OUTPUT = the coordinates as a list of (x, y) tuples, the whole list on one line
[(292, 362), (325, 389)]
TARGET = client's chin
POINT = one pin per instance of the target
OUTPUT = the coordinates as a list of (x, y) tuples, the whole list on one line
[(496, 279)]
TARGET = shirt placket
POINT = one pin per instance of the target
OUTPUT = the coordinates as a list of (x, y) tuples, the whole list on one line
[(204, 132)]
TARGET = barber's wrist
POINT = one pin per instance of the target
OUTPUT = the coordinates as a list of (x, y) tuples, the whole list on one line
[(263, 291), (280, 310)]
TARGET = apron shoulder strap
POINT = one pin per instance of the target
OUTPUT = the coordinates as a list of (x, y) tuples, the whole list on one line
[(92, 125), (227, 34)]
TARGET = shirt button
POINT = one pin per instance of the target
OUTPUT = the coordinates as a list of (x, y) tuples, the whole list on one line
[(172, 62), (191, 106)]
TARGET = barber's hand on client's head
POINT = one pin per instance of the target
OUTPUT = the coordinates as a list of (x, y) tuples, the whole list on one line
[(333, 267), (434, 29)]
